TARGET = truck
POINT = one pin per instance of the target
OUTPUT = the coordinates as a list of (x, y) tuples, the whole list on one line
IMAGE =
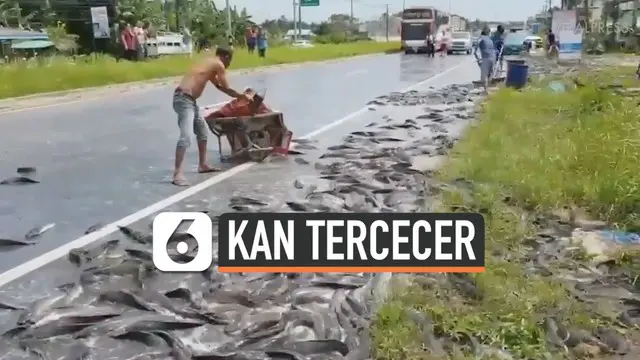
[(455, 21)]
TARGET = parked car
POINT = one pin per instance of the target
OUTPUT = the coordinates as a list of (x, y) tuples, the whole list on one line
[(302, 44), (536, 40), (514, 43), (461, 42)]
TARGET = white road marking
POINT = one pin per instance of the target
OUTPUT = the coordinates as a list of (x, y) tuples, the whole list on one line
[(46, 258)]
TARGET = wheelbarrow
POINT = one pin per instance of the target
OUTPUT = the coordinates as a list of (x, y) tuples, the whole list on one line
[(253, 130)]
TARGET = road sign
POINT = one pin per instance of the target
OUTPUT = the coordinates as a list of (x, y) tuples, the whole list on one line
[(309, 2)]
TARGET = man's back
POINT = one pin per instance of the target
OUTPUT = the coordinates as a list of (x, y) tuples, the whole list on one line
[(487, 49)]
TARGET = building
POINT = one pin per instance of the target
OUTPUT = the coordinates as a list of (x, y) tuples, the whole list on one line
[(13, 39)]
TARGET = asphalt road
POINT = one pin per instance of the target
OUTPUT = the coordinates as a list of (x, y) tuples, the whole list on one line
[(103, 160)]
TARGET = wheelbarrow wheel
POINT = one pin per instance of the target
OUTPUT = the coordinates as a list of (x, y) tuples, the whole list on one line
[(258, 155)]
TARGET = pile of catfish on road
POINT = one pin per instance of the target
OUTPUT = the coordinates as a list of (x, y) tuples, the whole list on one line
[(120, 307)]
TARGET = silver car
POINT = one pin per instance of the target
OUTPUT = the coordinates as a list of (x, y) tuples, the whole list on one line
[(461, 42)]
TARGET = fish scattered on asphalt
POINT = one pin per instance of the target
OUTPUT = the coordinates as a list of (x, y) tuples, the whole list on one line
[(116, 297), (19, 180), (39, 230)]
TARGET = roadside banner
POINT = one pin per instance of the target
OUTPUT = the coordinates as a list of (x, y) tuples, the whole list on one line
[(564, 25), (100, 22)]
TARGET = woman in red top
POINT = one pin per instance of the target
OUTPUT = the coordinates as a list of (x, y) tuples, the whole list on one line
[(129, 43)]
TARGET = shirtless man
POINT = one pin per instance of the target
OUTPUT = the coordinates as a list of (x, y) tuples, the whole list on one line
[(189, 115)]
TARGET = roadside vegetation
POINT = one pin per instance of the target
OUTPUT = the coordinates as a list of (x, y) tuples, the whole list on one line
[(65, 74), (533, 153)]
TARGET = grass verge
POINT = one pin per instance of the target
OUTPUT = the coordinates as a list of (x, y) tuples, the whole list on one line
[(64, 74), (542, 151)]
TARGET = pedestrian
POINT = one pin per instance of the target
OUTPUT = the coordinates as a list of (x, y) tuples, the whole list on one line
[(487, 58), (187, 40), (230, 41), (251, 39), (444, 42), (552, 45), (498, 44), (139, 31), (262, 43), (129, 42), (185, 97), (431, 47)]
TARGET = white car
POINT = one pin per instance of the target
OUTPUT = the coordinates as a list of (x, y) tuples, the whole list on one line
[(302, 44), (461, 41)]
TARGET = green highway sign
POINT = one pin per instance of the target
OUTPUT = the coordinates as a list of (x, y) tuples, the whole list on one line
[(309, 2)]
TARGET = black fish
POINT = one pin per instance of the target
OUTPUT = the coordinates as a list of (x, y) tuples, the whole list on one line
[(13, 242), (37, 231), (302, 141), (143, 322), (93, 228), (294, 152), (7, 306), (244, 200), (305, 146), (310, 347), (135, 235), (19, 180), (28, 170), (79, 351), (82, 256), (301, 161)]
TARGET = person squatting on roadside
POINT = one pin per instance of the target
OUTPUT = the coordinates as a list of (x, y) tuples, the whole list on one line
[(185, 104), (487, 58)]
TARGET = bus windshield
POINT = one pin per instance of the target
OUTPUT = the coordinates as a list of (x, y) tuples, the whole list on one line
[(414, 31)]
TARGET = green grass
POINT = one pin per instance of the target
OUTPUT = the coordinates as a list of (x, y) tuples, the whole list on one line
[(544, 151), (63, 74)]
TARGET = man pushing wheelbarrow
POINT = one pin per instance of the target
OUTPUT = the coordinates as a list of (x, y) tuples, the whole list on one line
[(252, 129), (186, 107)]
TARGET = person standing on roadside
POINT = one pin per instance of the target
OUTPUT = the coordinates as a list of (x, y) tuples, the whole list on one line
[(187, 40), (552, 44), (128, 40), (251, 39), (498, 43), (141, 37), (444, 44), (486, 59), (262, 43)]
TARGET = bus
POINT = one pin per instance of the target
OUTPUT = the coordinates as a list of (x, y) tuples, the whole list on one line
[(417, 23)]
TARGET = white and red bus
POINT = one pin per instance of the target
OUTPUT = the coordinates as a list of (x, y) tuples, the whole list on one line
[(417, 23), (420, 21)]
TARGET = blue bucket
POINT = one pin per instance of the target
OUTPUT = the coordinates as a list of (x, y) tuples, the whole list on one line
[(517, 74)]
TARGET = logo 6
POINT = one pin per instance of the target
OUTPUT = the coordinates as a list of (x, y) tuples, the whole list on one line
[(165, 225)]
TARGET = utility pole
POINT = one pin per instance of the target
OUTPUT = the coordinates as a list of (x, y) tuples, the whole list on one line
[(230, 33), (295, 23), (386, 22), (404, 4), (300, 18), (351, 16)]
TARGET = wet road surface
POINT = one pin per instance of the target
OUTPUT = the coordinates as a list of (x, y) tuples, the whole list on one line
[(103, 160)]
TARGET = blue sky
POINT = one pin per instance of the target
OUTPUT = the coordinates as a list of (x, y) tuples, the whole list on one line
[(499, 10)]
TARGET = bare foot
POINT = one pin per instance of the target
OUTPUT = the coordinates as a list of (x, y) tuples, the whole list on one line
[(179, 180), (203, 169)]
